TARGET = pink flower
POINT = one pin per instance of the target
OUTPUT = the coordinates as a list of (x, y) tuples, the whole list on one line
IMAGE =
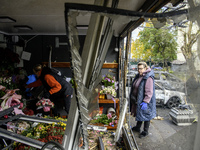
[(116, 121), (110, 123), (40, 128), (109, 115), (21, 105), (46, 109), (108, 142)]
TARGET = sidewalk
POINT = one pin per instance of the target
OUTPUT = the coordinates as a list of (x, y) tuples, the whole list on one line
[(165, 135)]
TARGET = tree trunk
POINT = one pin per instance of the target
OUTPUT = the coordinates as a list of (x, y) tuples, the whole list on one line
[(192, 69), (193, 81), (189, 40)]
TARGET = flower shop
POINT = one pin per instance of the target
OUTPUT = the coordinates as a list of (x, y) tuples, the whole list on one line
[(96, 62), (27, 122), (33, 126)]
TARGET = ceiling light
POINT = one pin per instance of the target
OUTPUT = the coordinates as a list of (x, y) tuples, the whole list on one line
[(23, 27), (5, 19)]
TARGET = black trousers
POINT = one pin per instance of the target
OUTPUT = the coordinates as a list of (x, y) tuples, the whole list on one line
[(59, 102), (146, 125)]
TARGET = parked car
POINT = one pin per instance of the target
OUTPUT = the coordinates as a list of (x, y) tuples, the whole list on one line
[(169, 98), (169, 81), (164, 78), (165, 97)]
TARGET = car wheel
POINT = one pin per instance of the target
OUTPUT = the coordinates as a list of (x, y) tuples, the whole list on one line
[(173, 102)]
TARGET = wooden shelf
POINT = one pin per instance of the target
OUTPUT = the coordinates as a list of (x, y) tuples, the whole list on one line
[(67, 65), (108, 100), (110, 65), (58, 64)]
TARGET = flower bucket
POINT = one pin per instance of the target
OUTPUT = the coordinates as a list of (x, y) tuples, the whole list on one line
[(46, 108), (102, 96), (108, 96)]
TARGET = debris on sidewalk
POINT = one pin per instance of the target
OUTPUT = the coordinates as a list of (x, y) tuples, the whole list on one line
[(158, 118)]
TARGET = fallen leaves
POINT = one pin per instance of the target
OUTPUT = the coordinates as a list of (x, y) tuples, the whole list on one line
[(158, 118)]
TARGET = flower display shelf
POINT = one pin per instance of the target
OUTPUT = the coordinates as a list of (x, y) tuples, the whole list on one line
[(67, 64), (110, 101)]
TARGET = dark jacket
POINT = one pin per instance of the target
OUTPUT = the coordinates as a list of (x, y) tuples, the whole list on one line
[(66, 88), (150, 112)]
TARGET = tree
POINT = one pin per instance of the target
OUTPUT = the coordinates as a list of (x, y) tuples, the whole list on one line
[(161, 44), (190, 37), (137, 50)]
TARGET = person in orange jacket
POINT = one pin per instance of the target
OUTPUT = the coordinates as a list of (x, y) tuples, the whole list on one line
[(56, 87)]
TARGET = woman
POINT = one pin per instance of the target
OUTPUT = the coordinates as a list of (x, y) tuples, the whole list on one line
[(56, 87), (142, 98)]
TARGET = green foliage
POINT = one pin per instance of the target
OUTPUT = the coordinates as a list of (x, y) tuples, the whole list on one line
[(161, 43), (168, 69), (43, 132), (73, 83), (137, 50), (109, 80), (2, 93), (102, 119), (8, 83)]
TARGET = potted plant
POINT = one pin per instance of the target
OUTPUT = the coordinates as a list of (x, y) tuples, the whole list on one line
[(109, 91), (106, 119), (109, 86)]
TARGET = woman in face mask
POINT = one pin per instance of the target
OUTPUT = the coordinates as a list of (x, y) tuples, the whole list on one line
[(56, 87), (142, 98)]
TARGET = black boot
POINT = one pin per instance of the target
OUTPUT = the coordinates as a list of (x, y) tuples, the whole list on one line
[(137, 127), (146, 129)]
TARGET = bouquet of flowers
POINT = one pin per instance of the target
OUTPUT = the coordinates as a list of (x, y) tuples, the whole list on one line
[(109, 90), (104, 119), (46, 104), (109, 80)]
